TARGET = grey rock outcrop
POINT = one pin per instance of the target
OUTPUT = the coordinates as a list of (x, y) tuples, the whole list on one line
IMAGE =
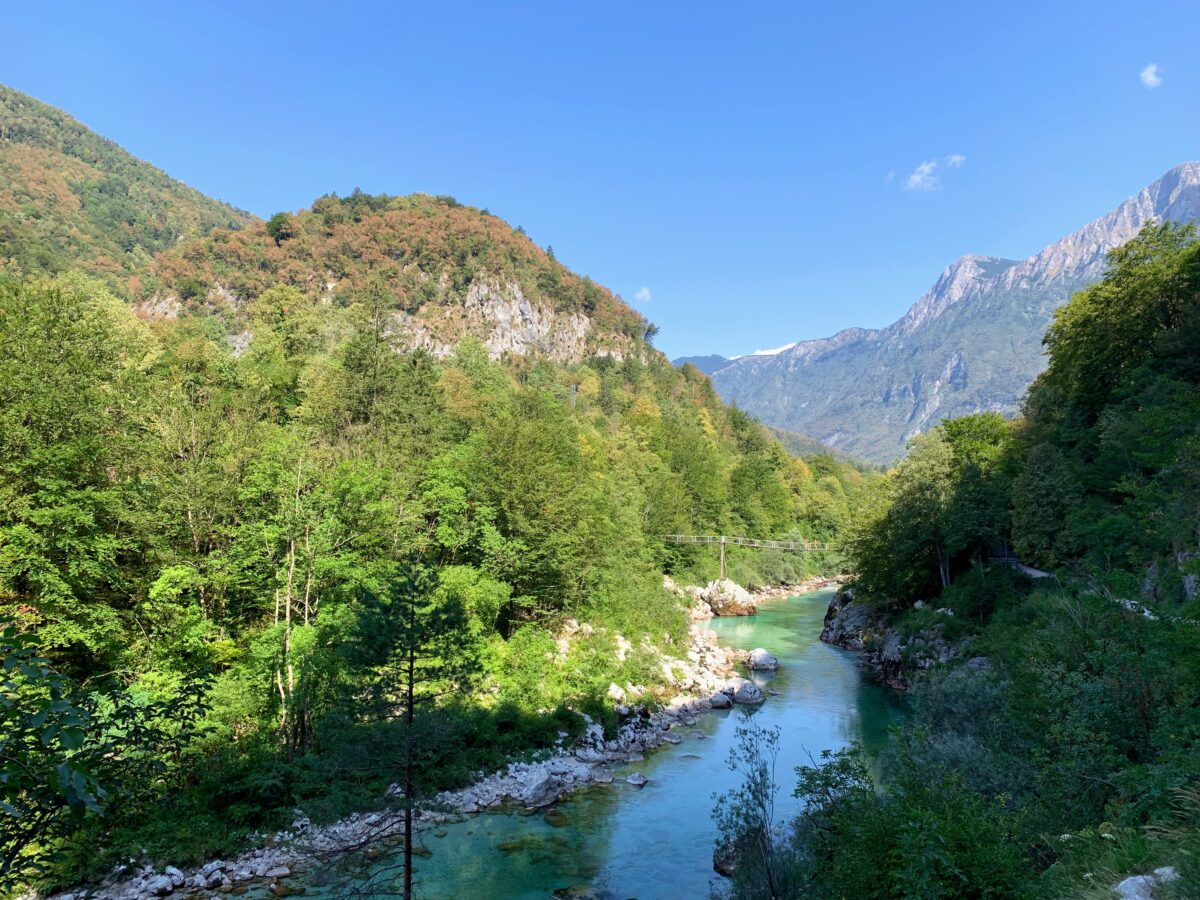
[(884, 653)]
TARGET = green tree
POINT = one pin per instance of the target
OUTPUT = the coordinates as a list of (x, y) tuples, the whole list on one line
[(427, 651), (67, 755), (69, 357), (281, 227)]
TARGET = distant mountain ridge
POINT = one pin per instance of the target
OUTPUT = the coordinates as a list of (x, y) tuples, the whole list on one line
[(970, 343), (706, 364)]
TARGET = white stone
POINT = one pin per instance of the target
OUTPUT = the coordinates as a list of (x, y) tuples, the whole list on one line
[(1136, 887), (760, 660)]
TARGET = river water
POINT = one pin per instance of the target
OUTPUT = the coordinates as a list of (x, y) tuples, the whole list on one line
[(656, 841)]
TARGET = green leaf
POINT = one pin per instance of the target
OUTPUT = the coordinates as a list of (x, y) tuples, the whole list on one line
[(71, 738)]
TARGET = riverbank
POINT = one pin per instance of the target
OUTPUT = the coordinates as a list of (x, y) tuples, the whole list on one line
[(702, 678), (888, 654)]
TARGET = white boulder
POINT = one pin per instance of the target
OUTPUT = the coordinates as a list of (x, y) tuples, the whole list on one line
[(762, 661)]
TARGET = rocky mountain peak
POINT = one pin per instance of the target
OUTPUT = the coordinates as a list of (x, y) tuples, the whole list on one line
[(972, 342)]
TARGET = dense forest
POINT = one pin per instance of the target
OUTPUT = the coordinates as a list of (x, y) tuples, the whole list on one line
[(207, 550), (1058, 750), (69, 199)]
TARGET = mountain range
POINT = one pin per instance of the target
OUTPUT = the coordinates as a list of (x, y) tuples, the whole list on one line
[(972, 343)]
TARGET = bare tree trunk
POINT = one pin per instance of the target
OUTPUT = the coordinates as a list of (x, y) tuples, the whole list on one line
[(943, 565), (410, 677)]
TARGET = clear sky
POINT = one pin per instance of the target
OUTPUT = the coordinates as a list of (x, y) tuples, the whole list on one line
[(745, 174)]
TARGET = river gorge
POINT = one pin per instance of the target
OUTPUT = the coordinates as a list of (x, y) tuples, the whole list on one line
[(656, 841)]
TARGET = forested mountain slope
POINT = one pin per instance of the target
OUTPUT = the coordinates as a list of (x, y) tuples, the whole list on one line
[(446, 271), (71, 199), (973, 343)]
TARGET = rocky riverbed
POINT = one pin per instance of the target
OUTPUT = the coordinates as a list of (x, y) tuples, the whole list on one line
[(703, 678)]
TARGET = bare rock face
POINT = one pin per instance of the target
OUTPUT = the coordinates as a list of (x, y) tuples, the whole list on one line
[(727, 598), (726, 857), (541, 791), (504, 319), (889, 657)]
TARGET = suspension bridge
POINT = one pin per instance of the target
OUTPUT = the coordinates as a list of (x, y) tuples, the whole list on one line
[(722, 540)]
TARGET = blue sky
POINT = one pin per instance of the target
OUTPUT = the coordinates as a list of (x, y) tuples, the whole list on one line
[(737, 172)]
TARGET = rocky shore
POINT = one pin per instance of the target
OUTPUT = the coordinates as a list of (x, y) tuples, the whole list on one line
[(887, 655), (704, 679), (727, 598)]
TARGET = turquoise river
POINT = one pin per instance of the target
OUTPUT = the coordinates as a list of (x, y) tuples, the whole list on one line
[(656, 841)]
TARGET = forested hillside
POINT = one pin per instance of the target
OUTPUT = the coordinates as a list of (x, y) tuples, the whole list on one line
[(448, 271), (218, 541), (1055, 739), (69, 199)]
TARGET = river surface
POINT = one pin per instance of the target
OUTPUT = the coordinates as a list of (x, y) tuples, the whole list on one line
[(656, 841)]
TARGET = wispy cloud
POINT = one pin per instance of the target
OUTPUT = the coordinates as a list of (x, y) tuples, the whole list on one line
[(925, 177), (642, 295), (1151, 76)]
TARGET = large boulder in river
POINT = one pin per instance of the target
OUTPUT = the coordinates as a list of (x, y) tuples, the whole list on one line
[(746, 691), (762, 661), (540, 790), (727, 598), (721, 700)]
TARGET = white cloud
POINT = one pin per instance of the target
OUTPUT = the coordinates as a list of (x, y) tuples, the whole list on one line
[(642, 295), (925, 177), (1150, 76)]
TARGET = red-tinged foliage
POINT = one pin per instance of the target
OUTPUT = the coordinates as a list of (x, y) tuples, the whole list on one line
[(425, 249)]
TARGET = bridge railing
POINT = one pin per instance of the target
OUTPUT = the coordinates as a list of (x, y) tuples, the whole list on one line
[(722, 540), (743, 542)]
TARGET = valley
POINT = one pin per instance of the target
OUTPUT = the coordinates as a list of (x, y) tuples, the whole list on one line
[(340, 555)]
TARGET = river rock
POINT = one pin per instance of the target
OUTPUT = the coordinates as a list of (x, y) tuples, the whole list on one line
[(748, 692), (637, 779), (159, 885), (1137, 887), (721, 700), (727, 598), (762, 661), (541, 790)]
